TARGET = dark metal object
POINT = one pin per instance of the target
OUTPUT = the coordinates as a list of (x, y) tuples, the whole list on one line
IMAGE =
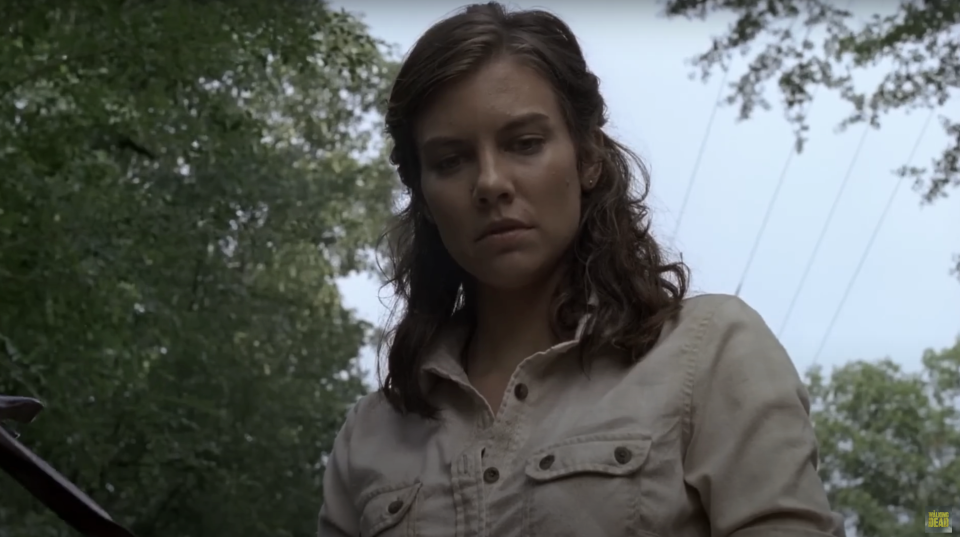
[(46, 484)]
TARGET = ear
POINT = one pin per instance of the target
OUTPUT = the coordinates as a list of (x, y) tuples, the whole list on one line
[(593, 166), (590, 175)]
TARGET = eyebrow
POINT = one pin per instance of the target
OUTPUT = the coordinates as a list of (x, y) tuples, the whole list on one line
[(523, 120), (519, 121)]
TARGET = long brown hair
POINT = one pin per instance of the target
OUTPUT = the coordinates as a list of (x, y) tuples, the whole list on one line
[(617, 260)]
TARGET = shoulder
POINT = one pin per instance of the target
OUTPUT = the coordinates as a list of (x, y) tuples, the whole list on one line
[(372, 422), (703, 318), (733, 348), (718, 309), (730, 325), (361, 437), (371, 411)]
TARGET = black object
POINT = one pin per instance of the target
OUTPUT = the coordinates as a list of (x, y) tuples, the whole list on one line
[(46, 484)]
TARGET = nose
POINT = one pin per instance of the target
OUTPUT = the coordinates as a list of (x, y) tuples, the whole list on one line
[(494, 184)]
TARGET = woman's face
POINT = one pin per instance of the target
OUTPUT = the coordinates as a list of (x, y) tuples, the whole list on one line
[(499, 175)]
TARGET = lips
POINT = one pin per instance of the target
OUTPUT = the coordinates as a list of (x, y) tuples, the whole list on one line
[(502, 226)]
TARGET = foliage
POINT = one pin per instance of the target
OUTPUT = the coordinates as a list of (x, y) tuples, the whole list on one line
[(180, 183), (889, 440), (917, 46)]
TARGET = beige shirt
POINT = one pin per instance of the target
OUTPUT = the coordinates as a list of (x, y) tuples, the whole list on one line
[(708, 435)]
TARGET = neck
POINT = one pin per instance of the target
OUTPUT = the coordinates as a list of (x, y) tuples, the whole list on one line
[(510, 326)]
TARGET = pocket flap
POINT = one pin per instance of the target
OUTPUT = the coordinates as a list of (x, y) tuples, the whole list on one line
[(387, 507), (613, 454)]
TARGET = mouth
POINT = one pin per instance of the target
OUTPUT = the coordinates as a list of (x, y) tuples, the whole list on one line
[(503, 228)]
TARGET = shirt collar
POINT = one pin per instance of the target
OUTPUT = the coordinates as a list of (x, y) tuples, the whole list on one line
[(442, 358)]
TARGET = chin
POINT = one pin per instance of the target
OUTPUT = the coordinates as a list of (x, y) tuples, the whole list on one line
[(511, 274)]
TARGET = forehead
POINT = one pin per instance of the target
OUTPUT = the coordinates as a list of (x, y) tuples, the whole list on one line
[(488, 99)]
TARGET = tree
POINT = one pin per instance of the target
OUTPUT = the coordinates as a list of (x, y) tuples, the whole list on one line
[(918, 44), (889, 440), (180, 183)]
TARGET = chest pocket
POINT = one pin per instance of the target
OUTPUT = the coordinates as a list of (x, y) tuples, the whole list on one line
[(387, 512), (587, 485)]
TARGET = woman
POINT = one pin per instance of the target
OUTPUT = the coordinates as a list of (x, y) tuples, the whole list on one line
[(548, 375)]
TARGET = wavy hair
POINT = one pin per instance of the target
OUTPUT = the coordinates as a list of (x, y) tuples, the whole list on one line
[(616, 258)]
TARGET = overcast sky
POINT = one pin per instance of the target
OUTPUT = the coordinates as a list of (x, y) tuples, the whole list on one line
[(904, 299)]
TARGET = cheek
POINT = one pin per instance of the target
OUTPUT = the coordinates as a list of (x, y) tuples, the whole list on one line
[(571, 215), (448, 213), (561, 202)]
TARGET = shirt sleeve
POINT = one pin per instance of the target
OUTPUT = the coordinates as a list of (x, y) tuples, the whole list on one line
[(338, 515), (752, 453)]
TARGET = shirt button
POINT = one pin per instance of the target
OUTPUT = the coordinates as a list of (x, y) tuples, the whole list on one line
[(395, 507), (546, 462), (521, 391), (622, 455), (491, 475)]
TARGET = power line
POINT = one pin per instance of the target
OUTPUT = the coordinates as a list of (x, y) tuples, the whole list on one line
[(703, 146), (776, 193), (766, 220), (780, 181), (825, 228), (873, 237)]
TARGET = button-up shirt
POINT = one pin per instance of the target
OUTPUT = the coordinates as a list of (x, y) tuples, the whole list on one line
[(707, 435)]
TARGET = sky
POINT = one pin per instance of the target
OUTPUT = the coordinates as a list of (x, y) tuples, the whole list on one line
[(901, 302)]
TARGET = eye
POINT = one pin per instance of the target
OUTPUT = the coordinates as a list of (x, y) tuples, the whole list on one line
[(527, 145), (447, 164)]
